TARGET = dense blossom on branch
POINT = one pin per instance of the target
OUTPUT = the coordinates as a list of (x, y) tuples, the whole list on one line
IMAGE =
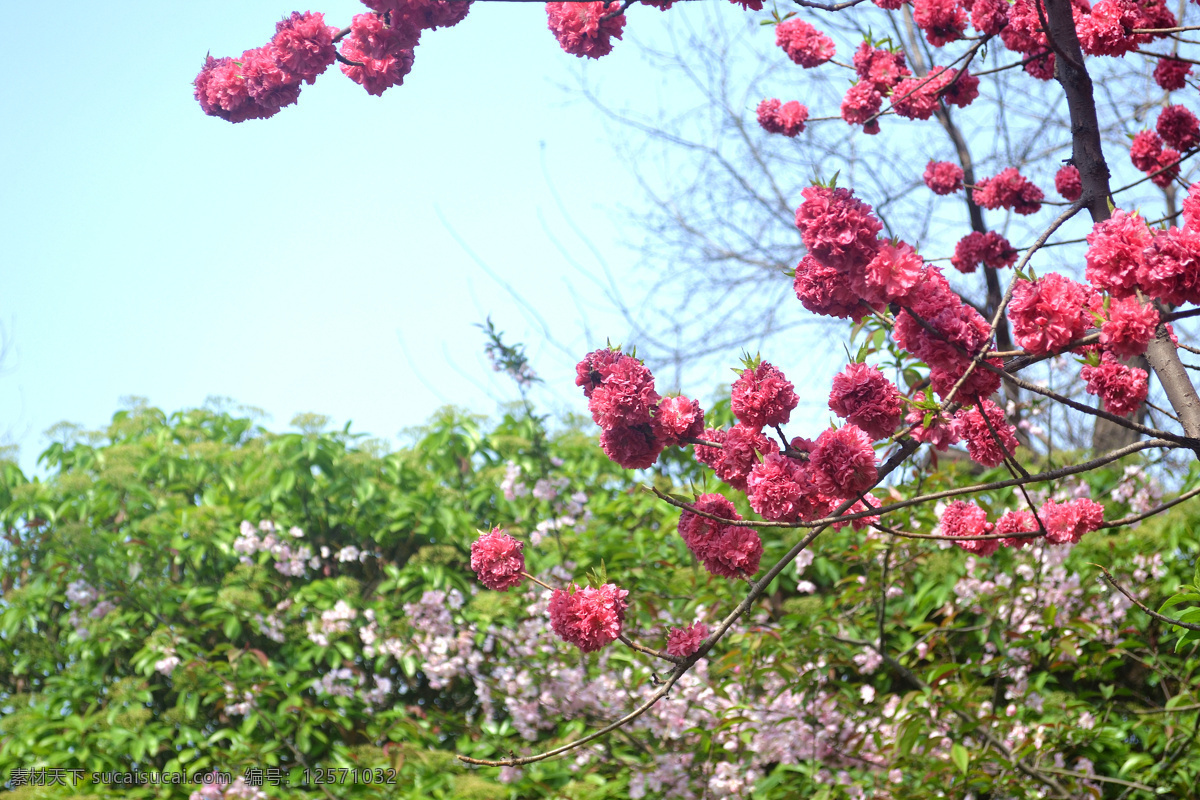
[(588, 618), (498, 560), (585, 29)]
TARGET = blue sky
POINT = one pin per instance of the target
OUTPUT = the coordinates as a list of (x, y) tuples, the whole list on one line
[(303, 263)]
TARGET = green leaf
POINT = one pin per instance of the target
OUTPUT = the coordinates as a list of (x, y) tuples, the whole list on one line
[(960, 757)]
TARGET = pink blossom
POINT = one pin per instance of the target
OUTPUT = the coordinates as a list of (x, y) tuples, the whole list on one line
[(990, 249), (1145, 150), (1191, 207), (889, 276), (1122, 388), (1166, 170), (591, 371), (943, 177), (1129, 328), (1102, 32), (677, 418), (804, 44), (741, 448), (838, 229), (915, 98), (585, 29), (1115, 255), (785, 118), (762, 396), (1172, 264), (1048, 313), (303, 45), (943, 21), (384, 51), (967, 519), (1068, 183), (632, 447), (270, 87), (989, 16), (957, 89), (781, 489), (221, 91), (861, 104), (982, 445), (710, 456), (939, 433), (588, 618), (1178, 127), (826, 291), (1066, 523), (422, 14), (497, 559), (625, 394), (683, 642), (1023, 34), (882, 69), (862, 395), (726, 550), (843, 462), (1171, 73), (1008, 189), (1017, 522)]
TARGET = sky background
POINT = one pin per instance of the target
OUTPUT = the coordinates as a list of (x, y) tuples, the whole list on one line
[(320, 261)]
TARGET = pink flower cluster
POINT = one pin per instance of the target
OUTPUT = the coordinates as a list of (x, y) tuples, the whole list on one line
[(804, 44), (1067, 182), (1148, 154), (1050, 312), (1122, 388), (990, 249), (636, 424), (785, 118), (943, 21), (1124, 256), (381, 52), (878, 72), (728, 551), (1008, 189), (942, 177), (585, 29), (863, 396), (1065, 523), (989, 436), (498, 560), (683, 642), (917, 97), (1171, 74), (762, 396), (588, 618), (264, 80), (1178, 127)]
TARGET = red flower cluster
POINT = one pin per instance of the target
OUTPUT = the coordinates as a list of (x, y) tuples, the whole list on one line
[(943, 21), (1009, 189), (264, 80), (1066, 523), (741, 447), (385, 52), (763, 396), (786, 118), (683, 642), (895, 269), (882, 69), (804, 44), (1123, 389), (1068, 183), (623, 402), (585, 29), (1017, 522), (843, 462), (838, 229), (1103, 32), (588, 618), (824, 290), (990, 249), (1171, 74), (1048, 313), (863, 396), (939, 433), (781, 489), (1116, 262), (1129, 328), (727, 551), (989, 16), (1170, 265), (967, 519), (943, 177), (861, 104), (917, 98), (982, 446), (497, 559), (1148, 154), (1178, 127), (677, 418)]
